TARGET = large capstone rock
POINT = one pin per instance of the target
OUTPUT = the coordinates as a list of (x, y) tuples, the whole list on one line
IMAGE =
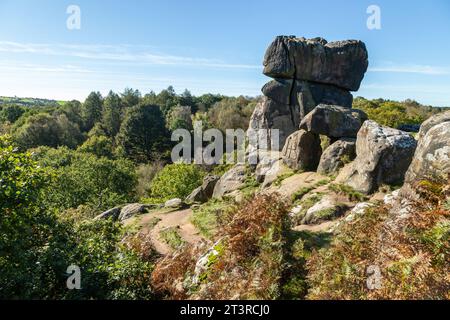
[(231, 181), (432, 157), (334, 121), (205, 191), (383, 156), (337, 155), (342, 63), (132, 210), (302, 151)]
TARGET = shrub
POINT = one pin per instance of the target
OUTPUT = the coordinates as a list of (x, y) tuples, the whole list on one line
[(175, 181), (84, 179), (412, 253)]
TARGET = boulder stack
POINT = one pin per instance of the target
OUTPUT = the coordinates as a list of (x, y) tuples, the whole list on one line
[(306, 73)]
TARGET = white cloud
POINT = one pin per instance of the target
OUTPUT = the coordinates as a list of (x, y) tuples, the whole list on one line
[(125, 53), (419, 69)]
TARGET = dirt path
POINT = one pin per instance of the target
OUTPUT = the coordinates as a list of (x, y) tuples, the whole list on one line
[(175, 219)]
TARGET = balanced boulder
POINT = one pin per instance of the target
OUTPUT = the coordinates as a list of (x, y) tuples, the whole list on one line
[(342, 63), (337, 155), (383, 156), (334, 121), (302, 151)]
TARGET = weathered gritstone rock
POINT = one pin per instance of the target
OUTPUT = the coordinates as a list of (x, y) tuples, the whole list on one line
[(307, 73), (267, 163), (269, 114), (305, 96), (337, 155), (431, 122), (205, 191), (334, 121), (174, 203), (341, 63), (383, 156), (302, 151), (109, 214), (432, 157), (131, 210), (231, 181), (324, 210)]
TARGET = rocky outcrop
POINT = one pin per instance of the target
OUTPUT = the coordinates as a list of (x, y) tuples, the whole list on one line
[(132, 210), (205, 191), (231, 181), (109, 214), (383, 156), (337, 155), (302, 151), (431, 122), (306, 72), (334, 121), (174, 203), (341, 63), (432, 157)]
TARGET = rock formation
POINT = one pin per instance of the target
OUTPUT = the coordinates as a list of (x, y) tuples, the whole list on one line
[(337, 155), (307, 72), (383, 155), (432, 157)]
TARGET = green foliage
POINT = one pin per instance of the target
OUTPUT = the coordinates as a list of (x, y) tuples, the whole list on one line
[(180, 118), (92, 110), (348, 191), (143, 133), (11, 113), (231, 113), (206, 218), (394, 114), (175, 181), (83, 178), (37, 246), (43, 129), (100, 146), (112, 114), (172, 237)]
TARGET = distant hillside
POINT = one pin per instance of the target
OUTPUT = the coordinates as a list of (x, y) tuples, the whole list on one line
[(35, 102)]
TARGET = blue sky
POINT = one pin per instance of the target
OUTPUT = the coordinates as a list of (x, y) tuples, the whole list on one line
[(213, 46)]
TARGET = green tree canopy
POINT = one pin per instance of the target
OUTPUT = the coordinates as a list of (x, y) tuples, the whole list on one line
[(143, 133)]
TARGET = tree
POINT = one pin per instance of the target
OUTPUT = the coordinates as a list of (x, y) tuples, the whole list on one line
[(85, 179), (175, 181), (112, 113), (92, 110), (43, 129), (180, 118), (37, 245), (11, 113), (130, 97), (100, 146), (143, 133)]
